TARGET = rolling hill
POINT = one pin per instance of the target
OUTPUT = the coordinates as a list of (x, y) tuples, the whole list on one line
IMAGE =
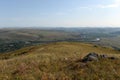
[(15, 38), (35, 34), (59, 61)]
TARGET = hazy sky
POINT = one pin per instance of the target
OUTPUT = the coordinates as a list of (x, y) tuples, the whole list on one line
[(59, 13)]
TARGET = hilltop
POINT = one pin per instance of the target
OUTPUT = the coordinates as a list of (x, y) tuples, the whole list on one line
[(59, 61)]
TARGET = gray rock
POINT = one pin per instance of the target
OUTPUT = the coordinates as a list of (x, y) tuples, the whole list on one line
[(95, 57), (91, 57)]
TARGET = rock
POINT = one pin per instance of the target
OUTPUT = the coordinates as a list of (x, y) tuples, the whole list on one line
[(95, 57), (91, 57), (92, 54)]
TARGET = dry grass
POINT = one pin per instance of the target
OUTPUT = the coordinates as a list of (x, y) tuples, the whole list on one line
[(57, 61)]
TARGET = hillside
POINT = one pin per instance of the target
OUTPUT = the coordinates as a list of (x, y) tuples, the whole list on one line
[(59, 61), (12, 39), (35, 34), (112, 41)]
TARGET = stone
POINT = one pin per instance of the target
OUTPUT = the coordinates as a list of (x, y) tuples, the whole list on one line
[(95, 57), (91, 57)]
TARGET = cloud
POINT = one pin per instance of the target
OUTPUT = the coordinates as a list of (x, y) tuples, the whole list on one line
[(89, 8), (79, 8), (116, 4), (108, 6), (60, 13)]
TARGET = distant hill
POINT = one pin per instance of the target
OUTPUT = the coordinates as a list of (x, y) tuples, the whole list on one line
[(35, 34), (16, 38), (13, 39), (116, 33), (59, 61)]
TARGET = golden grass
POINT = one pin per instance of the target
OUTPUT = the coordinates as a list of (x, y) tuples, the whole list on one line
[(58, 61)]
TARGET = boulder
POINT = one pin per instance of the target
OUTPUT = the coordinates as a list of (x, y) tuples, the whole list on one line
[(95, 57), (91, 57)]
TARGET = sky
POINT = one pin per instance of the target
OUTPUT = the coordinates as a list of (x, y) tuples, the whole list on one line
[(60, 13)]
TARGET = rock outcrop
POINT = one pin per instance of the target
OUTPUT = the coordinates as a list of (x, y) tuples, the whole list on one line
[(96, 57)]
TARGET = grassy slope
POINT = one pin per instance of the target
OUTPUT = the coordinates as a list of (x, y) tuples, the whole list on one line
[(58, 61), (35, 34), (114, 41)]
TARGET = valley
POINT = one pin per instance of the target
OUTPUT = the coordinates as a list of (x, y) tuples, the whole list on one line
[(13, 39), (60, 54)]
